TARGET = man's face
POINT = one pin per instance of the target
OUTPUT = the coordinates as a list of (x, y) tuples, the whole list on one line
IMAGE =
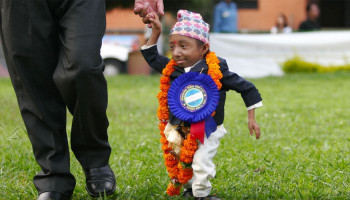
[(185, 50), (314, 12)]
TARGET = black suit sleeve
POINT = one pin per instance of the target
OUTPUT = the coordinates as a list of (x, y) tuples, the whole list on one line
[(154, 59), (303, 26), (232, 81)]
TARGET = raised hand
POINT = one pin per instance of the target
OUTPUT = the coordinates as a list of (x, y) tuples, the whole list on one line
[(144, 7)]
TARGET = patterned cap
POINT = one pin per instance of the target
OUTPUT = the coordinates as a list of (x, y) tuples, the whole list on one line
[(192, 25)]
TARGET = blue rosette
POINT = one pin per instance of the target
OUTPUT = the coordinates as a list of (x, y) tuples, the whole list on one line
[(193, 97)]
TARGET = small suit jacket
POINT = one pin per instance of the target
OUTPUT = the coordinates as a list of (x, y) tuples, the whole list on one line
[(230, 81)]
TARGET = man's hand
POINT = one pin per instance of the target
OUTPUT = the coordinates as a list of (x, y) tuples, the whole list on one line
[(254, 127), (144, 7), (154, 21)]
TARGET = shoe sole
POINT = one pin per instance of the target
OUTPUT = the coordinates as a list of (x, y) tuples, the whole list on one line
[(99, 195)]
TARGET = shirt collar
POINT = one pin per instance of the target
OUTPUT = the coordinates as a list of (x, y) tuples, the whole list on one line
[(187, 69)]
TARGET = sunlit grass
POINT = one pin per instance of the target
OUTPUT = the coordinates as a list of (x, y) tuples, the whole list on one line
[(303, 152)]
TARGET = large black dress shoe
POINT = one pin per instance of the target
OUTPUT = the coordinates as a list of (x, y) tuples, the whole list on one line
[(53, 196), (100, 181)]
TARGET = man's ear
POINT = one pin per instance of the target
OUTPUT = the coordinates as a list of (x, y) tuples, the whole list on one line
[(206, 47)]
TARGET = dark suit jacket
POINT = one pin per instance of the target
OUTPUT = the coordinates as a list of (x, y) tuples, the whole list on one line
[(309, 25), (230, 81)]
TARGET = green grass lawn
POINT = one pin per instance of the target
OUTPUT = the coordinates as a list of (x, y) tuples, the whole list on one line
[(303, 152)]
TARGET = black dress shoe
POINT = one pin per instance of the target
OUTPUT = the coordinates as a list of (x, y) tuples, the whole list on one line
[(53, 196), (100, 181)]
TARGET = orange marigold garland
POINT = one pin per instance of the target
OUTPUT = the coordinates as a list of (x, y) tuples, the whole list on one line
[(214, 68), (179, 169)]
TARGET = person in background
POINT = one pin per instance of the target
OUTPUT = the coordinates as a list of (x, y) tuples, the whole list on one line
[(281, 25), (225, 17), (311, 23)]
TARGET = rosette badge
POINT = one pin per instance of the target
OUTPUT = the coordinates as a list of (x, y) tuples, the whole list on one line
[(193, 97)]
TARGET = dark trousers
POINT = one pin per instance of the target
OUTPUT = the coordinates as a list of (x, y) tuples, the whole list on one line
[(52, 50)]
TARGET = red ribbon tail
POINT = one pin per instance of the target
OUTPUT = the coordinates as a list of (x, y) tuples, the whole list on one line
[(197, 131)]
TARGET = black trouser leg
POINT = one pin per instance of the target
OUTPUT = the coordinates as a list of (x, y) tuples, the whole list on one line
[(30, 43), (79, 77)]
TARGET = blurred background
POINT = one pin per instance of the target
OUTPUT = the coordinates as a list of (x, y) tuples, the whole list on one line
[(256, 37)]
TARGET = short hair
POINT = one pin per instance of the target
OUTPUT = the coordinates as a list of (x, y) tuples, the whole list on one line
[(308, 7)]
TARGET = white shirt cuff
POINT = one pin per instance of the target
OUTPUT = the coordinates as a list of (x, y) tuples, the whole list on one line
[(147, 47), (257, 105)]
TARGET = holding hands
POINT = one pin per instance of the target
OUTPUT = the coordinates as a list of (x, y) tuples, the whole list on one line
[(145, 7), (154, 22), (156, 27)]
